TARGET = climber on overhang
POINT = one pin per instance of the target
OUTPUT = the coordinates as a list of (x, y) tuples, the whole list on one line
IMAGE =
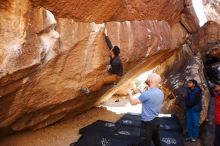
[(113, 75)]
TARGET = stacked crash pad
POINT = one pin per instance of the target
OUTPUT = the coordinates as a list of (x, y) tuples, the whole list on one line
[(126, 132)]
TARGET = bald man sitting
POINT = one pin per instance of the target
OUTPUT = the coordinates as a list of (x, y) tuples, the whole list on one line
[(151, 101)]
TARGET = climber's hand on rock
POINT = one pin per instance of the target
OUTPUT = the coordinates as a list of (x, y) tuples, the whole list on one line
[(108, 67)]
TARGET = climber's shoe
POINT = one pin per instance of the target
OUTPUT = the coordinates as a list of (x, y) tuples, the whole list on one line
[(117, 100), (85, 90)]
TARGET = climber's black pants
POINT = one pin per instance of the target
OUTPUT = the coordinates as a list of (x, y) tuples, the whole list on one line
[(150, 131)]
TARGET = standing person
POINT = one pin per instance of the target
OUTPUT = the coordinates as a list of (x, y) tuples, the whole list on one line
[(217, 115), (113, 75), (151, 101), (193, 108)]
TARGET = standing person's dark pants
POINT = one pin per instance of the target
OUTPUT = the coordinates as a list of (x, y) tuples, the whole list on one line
[(150, 131), (217, 135)]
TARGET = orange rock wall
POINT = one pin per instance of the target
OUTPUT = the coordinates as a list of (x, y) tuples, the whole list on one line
[(45, 61), (46, 58), (114, 10)]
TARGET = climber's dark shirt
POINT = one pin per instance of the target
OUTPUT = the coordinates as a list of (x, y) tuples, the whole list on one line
[(116, 66)]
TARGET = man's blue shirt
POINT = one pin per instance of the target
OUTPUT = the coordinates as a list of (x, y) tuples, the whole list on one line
[(151, 103)]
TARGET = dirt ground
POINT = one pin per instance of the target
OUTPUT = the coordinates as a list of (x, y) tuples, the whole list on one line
[(60, 134), (65, 132)]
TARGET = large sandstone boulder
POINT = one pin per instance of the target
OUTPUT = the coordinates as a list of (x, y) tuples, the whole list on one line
[(188, 2), (207, 38), (133, 38), (114, 10), (45, 62), (212, 10), (189, 19), (27, 39), (214, 52), (176, 71), (179, 35)]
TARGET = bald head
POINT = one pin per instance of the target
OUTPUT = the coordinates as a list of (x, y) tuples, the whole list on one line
[(153, 79)]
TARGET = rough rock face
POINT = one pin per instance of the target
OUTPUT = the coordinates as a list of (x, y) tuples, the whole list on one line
[(45, 61), (27, 38), (19, 36), (43, 68), (179, 35), (188, 2), (189, 19), (207, 39), (214, 52), (133, 39), (114, 10), (182, 66), (212, 10)]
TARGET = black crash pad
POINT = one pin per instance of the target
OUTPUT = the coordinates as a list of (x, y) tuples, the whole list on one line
[(170, 123), (128, 131), (97, 139), (125, 133), (170, 138), (100, 126), (117, 131), (130, 120), (132, 117), (166, 123)]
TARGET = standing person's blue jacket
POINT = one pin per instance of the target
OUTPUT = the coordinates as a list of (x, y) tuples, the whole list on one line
[(193, 109), (194, 99)]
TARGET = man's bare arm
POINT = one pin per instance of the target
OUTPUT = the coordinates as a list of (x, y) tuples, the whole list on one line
[(133, 101)]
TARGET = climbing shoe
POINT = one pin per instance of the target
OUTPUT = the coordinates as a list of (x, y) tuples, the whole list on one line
[(85, 90), (117, 100)]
